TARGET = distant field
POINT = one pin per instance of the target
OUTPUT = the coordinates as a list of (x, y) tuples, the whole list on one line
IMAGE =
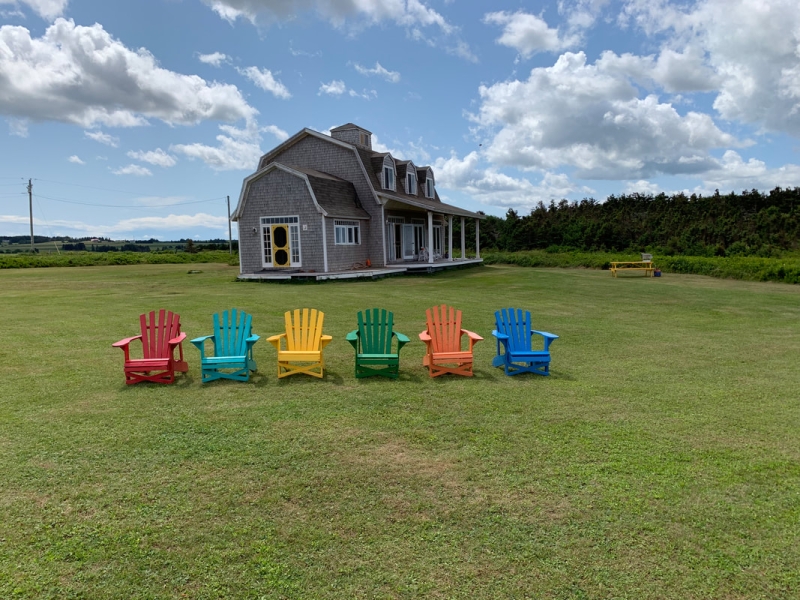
[(660, 460)]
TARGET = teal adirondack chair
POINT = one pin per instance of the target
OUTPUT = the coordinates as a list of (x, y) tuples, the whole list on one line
[(515, 352), (233, 348), (372, 342)]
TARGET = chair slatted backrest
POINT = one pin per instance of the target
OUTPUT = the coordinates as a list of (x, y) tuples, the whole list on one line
[(158, 332), (444, 327), (375, 331), (516, 324), (231, 332), (303, 333)]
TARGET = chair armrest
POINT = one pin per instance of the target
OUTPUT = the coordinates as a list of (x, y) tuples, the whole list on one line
[(275, 340), (402, 340), (199, 341), (425, 336), (352, 337), (177, 340), (324, 341), (548, 338), (472, 335), (252, 339), (552, 336), (500, 336), (474, 338), (126, 341)]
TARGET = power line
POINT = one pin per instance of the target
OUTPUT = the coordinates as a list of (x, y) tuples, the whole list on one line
[(128, 205), (91, 187)]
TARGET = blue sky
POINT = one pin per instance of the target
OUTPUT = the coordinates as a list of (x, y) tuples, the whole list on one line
[(137, 119)]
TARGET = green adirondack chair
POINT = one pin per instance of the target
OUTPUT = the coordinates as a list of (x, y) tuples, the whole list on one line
[(372, 342), (233, 348)]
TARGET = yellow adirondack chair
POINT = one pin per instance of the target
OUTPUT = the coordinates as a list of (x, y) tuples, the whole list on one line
[(304, 343)]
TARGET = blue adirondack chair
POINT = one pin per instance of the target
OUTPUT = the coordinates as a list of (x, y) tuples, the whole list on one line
[(233, 348), (514, 349)]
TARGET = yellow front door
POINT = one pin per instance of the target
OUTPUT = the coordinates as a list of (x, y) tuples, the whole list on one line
[(281, 251)]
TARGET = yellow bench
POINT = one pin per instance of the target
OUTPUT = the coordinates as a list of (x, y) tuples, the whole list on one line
[(646, 265)]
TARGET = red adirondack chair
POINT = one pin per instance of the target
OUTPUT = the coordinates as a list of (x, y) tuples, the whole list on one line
[(443, 341), (160, 339)]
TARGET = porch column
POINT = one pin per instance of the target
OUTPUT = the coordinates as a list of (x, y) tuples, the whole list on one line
[(450, 238), (463, 238), (430, 237), (477, 238)]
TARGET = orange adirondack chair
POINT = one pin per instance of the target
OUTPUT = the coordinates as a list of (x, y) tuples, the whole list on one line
[(160, 339), (443, 342), (304, 343)]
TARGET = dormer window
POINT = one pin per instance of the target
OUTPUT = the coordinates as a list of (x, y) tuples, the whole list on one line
[(429, 188), (411, 183), (388, 178), (363, 139)]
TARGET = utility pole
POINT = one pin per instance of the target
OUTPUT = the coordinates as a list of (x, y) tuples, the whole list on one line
[(230, 239), (30, 206)]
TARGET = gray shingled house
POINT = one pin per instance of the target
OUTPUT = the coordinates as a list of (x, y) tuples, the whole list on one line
[(330, 204)]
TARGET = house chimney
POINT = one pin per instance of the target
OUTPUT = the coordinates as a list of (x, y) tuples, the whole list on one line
[(353, 134)]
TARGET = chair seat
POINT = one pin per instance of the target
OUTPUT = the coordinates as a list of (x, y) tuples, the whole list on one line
[(221, 360), (378, 357), (529, 355), (452, 356), (146, 364), (299, 355)]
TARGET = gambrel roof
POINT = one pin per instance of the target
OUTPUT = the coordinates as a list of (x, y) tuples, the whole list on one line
[(332, 196)]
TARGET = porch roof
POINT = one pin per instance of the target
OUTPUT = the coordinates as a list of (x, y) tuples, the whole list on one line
[(427, 204)]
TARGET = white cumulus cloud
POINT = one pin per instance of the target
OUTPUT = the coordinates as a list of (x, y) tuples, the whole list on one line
[(379, 70), (137, 170), (82, 75), (154, 157), (47, 9), (528, 34), (76, 159), (264, 79), (214, 59), (337, 87), (102, 138), (588, 117), (238, 149)]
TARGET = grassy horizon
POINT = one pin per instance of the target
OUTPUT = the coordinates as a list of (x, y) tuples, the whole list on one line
[(659, 460)]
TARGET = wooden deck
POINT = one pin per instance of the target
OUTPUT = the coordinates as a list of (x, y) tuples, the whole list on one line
[(402, 268)]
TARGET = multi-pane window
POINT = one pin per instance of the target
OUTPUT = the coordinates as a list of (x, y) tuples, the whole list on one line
[(411, 183), (388, 178), (347, 233), (429, 188), (275, 240)]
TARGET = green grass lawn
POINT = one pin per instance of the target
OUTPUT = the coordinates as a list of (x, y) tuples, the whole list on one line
[(660, 460)]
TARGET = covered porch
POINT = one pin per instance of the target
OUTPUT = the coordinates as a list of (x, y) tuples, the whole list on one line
[(408, 268), (420, 234)]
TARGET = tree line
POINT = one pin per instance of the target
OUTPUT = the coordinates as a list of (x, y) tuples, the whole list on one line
[(747, 224)]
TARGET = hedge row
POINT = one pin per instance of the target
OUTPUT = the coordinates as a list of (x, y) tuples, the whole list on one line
[(785, 270), (92, 259)]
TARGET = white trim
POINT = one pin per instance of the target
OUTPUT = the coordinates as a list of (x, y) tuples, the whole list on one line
[(239, 237), (440, 207), (432, 190), (324, 246), (430, 237), (463, 240), (347, 224), (289, 226), (450, 238), (477, 238), (383, 233)]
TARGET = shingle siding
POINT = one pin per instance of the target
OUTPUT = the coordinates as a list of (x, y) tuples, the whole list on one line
[(280, 194), (314, 153)]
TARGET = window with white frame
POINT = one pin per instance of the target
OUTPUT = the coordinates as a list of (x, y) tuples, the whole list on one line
[(411, 183), (347, 233), (388, 178), (429, 188)]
